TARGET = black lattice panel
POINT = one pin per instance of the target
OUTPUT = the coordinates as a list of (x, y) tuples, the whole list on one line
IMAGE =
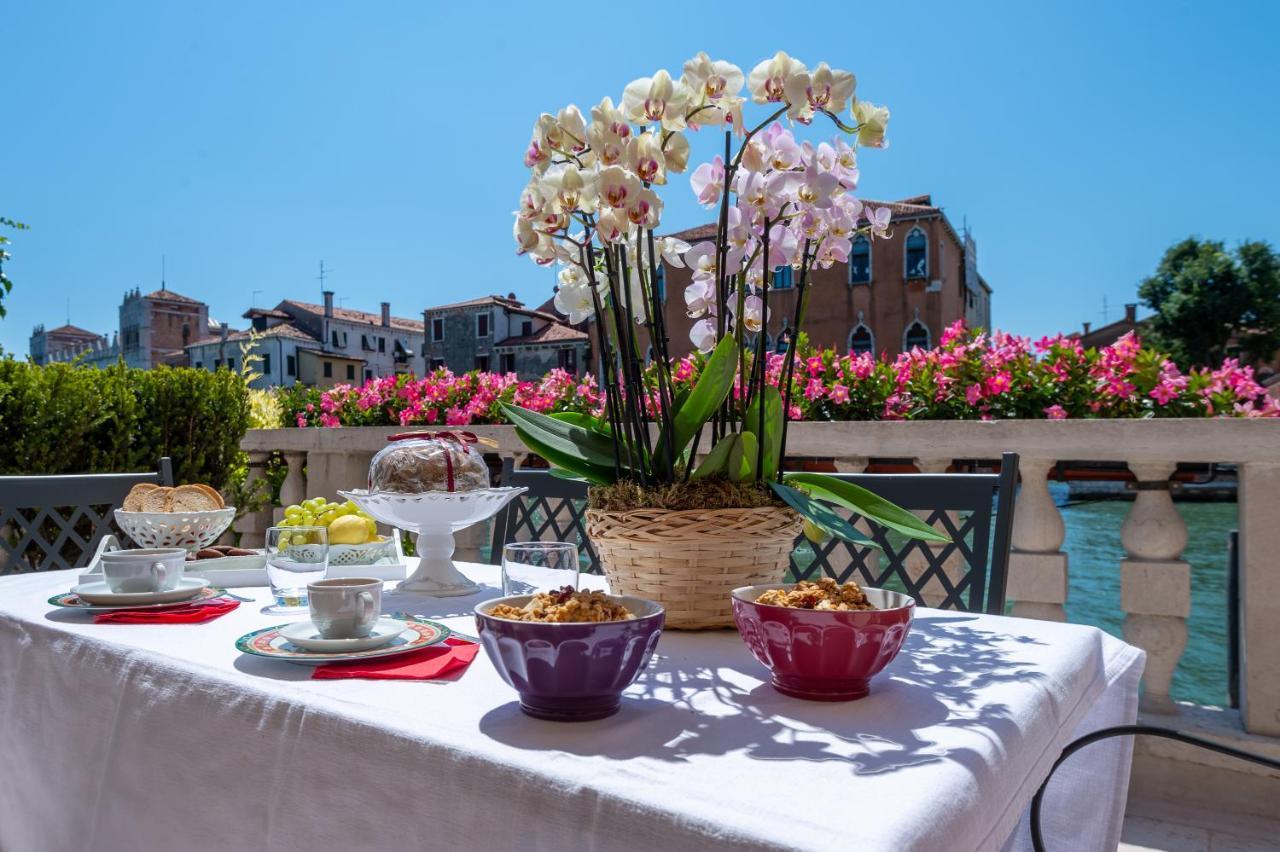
[(51, 538), (907, 565), (539, 518)]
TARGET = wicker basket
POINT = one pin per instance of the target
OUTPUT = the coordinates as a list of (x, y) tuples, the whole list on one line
[(689, 561)]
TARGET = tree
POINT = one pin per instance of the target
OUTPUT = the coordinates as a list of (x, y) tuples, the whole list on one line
[(6, 286), (1210, 302)]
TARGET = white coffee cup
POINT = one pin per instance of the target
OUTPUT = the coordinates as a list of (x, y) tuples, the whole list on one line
[(152, 569), (345, 608)]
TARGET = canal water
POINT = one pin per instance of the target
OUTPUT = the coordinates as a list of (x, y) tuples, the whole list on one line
[(1093, 542)]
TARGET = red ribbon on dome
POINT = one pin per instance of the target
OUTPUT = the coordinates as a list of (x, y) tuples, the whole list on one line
[(443, 435)]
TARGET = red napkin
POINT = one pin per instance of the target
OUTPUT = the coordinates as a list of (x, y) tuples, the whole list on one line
[(432, 662), (188, 614)]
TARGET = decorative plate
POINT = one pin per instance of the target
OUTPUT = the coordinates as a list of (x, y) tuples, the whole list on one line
[(99, 593), (71, 600), (268, 642)]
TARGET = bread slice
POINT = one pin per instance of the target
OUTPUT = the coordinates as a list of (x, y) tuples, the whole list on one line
[(192, 498), (156, 500), (133, 500), (213, 494)]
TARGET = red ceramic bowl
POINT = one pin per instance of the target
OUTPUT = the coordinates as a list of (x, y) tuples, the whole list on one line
[(823, 655)]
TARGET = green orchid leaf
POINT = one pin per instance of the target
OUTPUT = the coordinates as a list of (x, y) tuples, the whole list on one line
[(708, 393), (717, 461), (821, 515), (772, 437), (865, 503), (561, 473), (742, 457), (586, 421), (576, 467), (569, 440)]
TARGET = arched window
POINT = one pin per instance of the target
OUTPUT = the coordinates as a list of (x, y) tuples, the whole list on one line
[(917, 254), (186, 334), (660, 282), (860, 261), (916, 336), (782, 278), (862, 340), (784, 339)]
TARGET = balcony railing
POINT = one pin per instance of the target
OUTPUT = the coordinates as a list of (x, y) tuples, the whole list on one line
[(1155, 581)]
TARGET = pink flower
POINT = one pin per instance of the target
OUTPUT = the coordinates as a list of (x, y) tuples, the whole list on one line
[(814, 390), (839, 394), (302, 419), (1055, 412), (999, 383), (973, 394), (1164, 393)]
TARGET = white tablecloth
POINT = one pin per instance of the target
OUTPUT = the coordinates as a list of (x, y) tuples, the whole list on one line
[(155, 737)]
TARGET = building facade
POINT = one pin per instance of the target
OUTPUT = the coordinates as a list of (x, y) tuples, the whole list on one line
[(64, 343), (500, 334), (363, 344), (893, 294)]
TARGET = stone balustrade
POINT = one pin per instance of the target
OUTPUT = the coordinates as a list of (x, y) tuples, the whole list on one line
[(1155, 581)]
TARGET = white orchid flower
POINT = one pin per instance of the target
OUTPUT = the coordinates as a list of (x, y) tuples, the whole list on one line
[(532, 201), (573, 129), (609, 133), (878, 218), (525, 235), (571, 187), (618, 187), (657, 98), (700, 297), (872, 123), (824, 89), (612, 226), (676, 152), (573, 297), (703, 335), (672, 251), (711, 80), (813, 187), (645, 210), (833, 252), (768, 80), (707, 181), (646, 160), (702, 258)]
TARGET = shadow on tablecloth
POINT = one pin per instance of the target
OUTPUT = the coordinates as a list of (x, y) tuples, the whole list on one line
[(682, 707)]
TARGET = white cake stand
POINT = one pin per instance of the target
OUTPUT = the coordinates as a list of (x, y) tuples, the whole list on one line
[(434, 516)]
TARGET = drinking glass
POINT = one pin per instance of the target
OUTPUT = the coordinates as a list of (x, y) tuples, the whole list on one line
[(529, 567), (295, 556)]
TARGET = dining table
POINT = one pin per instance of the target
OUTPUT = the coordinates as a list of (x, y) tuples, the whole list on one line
[(165, 736)]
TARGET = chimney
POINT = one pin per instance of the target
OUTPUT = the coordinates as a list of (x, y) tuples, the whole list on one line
[(1131, 313), (1086, 328), (223, 329), (511, 296), (328, 303), (386, 314)]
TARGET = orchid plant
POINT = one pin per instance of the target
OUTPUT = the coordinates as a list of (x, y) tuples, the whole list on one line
[(591, 208)]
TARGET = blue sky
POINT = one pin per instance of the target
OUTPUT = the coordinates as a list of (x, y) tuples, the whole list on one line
[(246, 141)]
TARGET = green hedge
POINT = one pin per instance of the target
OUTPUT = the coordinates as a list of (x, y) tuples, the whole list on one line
[(67, 419)]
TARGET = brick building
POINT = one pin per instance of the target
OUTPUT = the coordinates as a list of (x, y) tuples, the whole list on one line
[(893, 294), (154, 329), (500, 334)]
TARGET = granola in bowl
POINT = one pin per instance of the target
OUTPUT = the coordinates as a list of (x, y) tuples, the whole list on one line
[(565, 605), (825, 594)]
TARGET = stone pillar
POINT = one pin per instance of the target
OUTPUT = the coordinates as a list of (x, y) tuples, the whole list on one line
[(294, 488), (252, 526), (1260, 596), (1037, 565), (934, 593), (1155, 585)]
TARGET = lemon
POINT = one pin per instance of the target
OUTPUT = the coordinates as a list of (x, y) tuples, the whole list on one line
[(348, 529)]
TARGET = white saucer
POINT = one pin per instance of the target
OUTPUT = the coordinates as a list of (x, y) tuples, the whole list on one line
[(99, 593), (305, 635)]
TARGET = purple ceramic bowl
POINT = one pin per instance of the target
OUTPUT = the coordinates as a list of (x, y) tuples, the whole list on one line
[(823, 655), (573, 671)]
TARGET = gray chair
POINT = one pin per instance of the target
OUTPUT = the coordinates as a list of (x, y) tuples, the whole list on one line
[(52, 522), (974, 509), (553, 509)]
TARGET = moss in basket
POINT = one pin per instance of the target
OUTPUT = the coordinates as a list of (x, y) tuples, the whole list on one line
[(711, 493)]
